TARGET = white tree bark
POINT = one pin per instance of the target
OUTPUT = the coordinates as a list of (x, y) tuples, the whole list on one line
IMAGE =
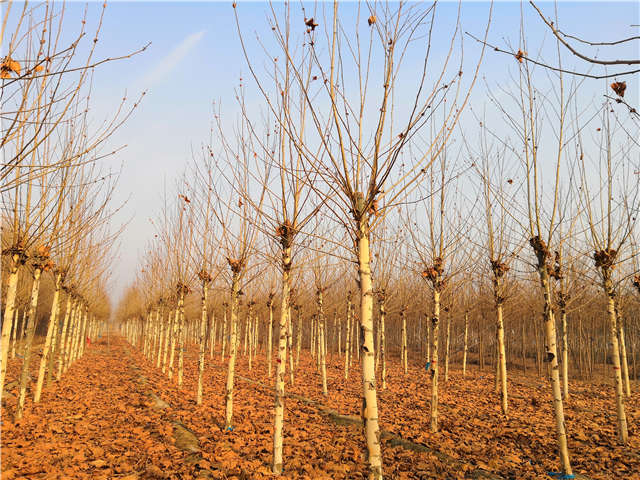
[(31, 330), (270, 338), (369, 395), (63, 336), (202, 339), (623, 434), (10, 299), (281, 362), (50, 335), (466, 344), (233, 349), (435, 320)]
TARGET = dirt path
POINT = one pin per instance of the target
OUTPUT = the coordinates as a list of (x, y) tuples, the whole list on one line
[(96, 423)]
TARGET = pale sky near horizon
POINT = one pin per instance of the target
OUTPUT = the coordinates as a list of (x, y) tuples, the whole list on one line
[(195, 59)]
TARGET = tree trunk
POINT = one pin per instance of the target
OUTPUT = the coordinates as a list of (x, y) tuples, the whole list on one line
[(290, 342), (249, 329), (623, 357), (31, 330), (347, 341), (225, 335), (447, 348), (10, 300), (55, 346), (63, 336), (14, 333), (281, 363), (213, 330), (403, 353), (161, 334), (552, 358), (203, 333), (428, 322), (246, 332), (50, 335), (369, 397), (502, 359), (233, 350), (181, 338), (299, 341), (270, 339), (565, 353), (322, 347), (383, 341), (524, 351), (435, 320), (174, 338), (466, 344), (82, 338), (165, 349), (623, 434)]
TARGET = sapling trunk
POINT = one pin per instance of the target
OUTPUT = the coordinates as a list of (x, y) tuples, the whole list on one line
[(49, 338), (378, 344), (623, 356), (82, 337), (225, 333), (465, 346), (524, 351), (270, 337), (233, 349), (339, 339), (435, 323), (446, 347), (542, 254), (299, 341), (347, 340), (31, 330), (73, 335), (63, 336), (369, 396), (23, 329), (383, 342), (14, 332), (55, 346), (212, 335), (181, 338), (403, 316), (17, 259), (428, 322), (317, 343), (249, 328), (246, 332), (322, 347), (290, 342), (174, 338), (565, 352), (281, 362), (167, 335), (502, 360), (161, 335), (312, 338), (623, 434), (203, 332), (73, 354)]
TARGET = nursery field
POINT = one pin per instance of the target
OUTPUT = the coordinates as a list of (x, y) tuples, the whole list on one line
[(320, 240), (115, 416)]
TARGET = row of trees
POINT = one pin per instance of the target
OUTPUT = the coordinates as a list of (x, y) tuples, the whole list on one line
[(56, 190), (338, 145)]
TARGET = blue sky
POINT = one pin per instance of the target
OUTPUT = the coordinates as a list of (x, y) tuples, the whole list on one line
[(195, 59)]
